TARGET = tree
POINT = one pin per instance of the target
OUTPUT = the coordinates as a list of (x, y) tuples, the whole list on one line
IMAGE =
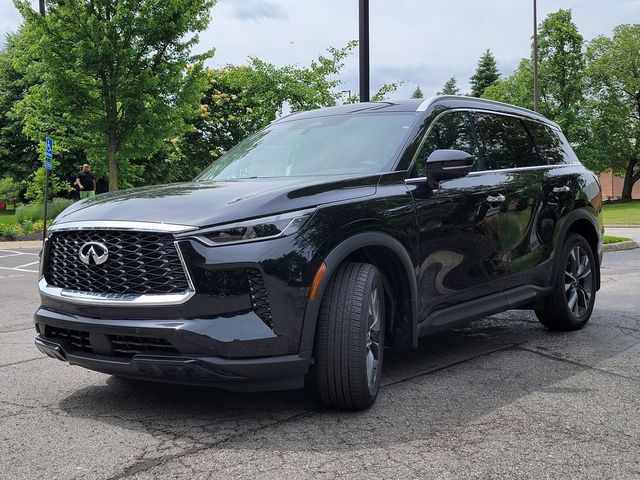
[(486, 74), (516, 89), (9, 190), (116, 78), (450, 87), (417, 93), (18, 157), (614, 82), (561, 70)]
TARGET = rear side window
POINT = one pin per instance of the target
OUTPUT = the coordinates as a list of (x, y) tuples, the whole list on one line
[(505, 141), (551, 143), (452, 131)]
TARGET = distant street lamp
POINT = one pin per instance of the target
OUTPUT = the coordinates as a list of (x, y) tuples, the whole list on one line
[(536, 84), (363, 49)]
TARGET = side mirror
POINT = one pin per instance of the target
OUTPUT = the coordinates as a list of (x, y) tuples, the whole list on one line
[(448, 164)]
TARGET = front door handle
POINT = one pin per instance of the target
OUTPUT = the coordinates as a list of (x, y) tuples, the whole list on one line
[(563, 189), (496, 198)]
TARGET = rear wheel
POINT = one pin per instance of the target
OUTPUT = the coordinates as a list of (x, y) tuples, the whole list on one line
[(570, 304), (350, 337)]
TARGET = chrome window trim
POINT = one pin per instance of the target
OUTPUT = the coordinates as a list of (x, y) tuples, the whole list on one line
[(124, 225), (122, 299), (419, 180)]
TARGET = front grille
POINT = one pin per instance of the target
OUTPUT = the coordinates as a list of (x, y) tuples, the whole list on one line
[(259, 297), (138, 263), (126, 346), (76, 338)]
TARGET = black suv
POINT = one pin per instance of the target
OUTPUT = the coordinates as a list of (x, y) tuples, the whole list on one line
[(331, 234)]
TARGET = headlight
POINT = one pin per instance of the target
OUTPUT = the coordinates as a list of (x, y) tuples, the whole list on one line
[(257, 229)]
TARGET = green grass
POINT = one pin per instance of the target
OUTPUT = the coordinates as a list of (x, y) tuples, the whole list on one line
[(622, 213), (611, 239), (8, 217)]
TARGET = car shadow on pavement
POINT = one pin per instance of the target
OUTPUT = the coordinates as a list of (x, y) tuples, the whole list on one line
[(453, 379)]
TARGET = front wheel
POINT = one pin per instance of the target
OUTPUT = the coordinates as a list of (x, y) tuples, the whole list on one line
[(571, 302), (350, 337)]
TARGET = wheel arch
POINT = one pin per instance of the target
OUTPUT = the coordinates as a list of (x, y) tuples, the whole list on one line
[(394, 262), (585, 224)]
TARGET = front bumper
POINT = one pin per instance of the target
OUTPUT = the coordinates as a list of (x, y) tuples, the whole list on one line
[(253, 374), (215, 337)]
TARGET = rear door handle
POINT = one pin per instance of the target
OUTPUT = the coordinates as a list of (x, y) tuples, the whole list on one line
[(563, 189), (496, 198)]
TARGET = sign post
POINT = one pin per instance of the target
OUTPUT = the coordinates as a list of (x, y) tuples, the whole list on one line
[(48, 165)]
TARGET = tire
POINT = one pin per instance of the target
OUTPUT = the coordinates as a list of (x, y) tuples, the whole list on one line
[(571, 302), (350, 337)]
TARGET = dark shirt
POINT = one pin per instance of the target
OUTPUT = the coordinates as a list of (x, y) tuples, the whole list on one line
[(86, 180)]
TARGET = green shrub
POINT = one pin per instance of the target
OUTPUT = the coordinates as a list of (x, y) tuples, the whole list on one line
[(10, 230), (29, 213), (56, 207), (35, 211), (27, 227)]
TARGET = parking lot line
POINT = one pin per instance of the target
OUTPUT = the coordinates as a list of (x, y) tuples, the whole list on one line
[(18, 269), (18, 253), (28, 264), (10, 255)]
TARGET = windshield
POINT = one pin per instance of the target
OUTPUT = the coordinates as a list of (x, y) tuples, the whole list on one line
[(333, 145)]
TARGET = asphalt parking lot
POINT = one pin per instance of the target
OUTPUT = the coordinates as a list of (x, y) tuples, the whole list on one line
[(500, 398)]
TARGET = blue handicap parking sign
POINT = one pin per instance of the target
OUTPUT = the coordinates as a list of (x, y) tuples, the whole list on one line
[(49, 148), (48, 165)]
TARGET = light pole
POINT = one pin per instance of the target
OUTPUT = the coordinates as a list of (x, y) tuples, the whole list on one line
[(41, 7), (536, 85), (363, 48)]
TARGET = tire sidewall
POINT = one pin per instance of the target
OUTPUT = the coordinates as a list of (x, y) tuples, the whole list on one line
[(572, 242)]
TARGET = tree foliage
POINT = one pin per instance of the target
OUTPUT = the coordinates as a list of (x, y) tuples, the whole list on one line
[(18, 157), (613, 76), (561, 70), (417, 93), (486, 74), (9, 190), (450, 87), (115, 78)]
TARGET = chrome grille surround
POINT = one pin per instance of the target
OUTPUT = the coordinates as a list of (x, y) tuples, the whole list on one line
[(145, 265)]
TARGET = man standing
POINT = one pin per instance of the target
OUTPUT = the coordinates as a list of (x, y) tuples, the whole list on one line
[(86, 182)]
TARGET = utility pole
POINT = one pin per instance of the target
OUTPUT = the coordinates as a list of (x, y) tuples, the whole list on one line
[(42, 7), (363, 48), (536, 84)]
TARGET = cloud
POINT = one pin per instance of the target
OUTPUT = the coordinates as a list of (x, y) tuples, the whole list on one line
[(257, 10)]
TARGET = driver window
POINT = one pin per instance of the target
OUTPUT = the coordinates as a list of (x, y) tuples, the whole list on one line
[(451, 131)]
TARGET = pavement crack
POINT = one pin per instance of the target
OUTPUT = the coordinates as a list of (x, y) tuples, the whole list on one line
[(22, 361), (452, 364), (576, 363), (145, 465)]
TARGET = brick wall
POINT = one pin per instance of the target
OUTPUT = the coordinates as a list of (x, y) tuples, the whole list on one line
[(618, 182)]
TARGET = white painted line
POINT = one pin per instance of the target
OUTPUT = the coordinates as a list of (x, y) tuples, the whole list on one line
[(27, 264), (10, 255), (3, 277), (18, 253), (18, 269)]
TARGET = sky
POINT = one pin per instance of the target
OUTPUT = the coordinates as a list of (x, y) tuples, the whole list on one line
[(419, 42)]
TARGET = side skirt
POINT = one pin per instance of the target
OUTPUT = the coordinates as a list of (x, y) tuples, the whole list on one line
[(457, 315)]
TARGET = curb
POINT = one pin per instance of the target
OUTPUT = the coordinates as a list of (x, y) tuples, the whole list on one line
[(18, 244), (620, 246)]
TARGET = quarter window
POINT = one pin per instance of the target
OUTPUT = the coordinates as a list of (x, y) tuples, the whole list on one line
[(506, 142), (552, 145), (452, 131)]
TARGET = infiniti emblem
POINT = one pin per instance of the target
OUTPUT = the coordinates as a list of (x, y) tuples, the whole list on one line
[(93, 253)]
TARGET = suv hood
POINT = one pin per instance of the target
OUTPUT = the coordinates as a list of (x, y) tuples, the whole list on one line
[(203, 204)]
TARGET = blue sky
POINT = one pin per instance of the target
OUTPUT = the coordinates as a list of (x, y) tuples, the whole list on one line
[(422, 42)]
